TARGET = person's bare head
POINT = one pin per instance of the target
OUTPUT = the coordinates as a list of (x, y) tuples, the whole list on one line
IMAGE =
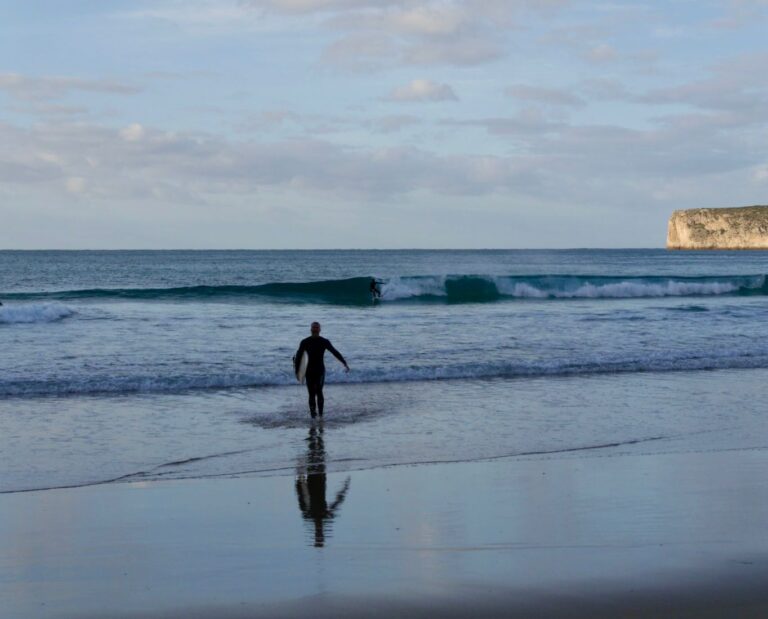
[(315, 328)]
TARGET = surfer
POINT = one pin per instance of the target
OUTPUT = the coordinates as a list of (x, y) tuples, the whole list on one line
[(315, 347), (375, 290)]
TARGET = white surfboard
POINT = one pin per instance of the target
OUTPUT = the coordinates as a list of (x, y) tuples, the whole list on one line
[(301, 371)]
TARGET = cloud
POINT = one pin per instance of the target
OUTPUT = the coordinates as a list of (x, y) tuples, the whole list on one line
[(316, 6), (605, 89), (601, 40), (553, 114), (602, 53), (740, 13), (731, 95), (186, 167), (392, 123), (40, 89), (495, 8), (471, 50), (289, 121), (709, 152), (736, 86), (49, 110), (429, 20), (696, 158), (75, 184), (528, 122), (200, 17), (369, 33), (545, 96), (718, 132), (760, 173), (421, 90), (133, 132), (456, 33)]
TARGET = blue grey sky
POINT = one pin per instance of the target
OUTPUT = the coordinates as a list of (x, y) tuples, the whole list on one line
[(376, 123)]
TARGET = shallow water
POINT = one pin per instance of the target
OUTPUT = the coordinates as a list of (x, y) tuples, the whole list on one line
[(55, 442)]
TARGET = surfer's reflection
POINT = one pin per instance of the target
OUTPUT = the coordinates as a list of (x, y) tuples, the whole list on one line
[(311, 486)]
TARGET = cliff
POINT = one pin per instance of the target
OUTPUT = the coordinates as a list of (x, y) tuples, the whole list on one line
[(719, 228)]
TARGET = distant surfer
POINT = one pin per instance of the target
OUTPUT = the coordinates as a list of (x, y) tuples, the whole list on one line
[(315, 347), (375, 290)]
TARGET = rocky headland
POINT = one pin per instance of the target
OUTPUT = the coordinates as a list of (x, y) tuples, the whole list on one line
[(719, 228)]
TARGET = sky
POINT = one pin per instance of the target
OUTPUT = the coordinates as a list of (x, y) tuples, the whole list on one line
[(267, 124)]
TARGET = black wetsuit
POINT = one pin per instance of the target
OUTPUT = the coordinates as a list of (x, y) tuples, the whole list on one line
[(315, 376), (374, 288)]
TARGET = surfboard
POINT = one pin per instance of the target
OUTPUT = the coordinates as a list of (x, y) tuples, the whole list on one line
[(301, 367)]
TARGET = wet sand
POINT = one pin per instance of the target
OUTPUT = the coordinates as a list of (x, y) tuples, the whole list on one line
[(605, 535)]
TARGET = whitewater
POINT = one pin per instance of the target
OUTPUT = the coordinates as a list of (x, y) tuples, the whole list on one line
[(116, 364)]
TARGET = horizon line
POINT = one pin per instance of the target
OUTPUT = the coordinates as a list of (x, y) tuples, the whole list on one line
[(381, 249)]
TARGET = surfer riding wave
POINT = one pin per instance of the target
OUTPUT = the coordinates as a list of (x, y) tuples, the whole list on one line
[(374, 289), (315, 347)]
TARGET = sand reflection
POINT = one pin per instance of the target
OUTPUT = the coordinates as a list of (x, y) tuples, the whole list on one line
[(311, 488)]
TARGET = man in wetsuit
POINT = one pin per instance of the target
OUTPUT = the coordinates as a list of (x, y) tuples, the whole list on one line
[(315, 376), (374, 288)]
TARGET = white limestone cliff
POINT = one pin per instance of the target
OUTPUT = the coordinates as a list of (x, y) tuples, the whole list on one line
[(719, 228)]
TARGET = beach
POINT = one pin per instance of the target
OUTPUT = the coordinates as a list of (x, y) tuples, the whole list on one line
[(662, 535)]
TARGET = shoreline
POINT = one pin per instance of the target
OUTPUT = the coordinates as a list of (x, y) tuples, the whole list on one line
[(640, 535), (287, 471)]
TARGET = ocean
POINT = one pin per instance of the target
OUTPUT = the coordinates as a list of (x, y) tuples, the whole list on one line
[(132, 366)]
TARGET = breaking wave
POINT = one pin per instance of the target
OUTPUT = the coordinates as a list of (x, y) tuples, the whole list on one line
[(33, 312), (435, 289)]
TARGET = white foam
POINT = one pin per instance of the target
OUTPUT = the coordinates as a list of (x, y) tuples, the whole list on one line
[(34, 312), (400, 288), (407, 288), (647, 289), (521, 290), (618, 290)]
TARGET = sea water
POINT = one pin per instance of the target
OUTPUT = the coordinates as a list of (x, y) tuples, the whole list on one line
[(148, 365)]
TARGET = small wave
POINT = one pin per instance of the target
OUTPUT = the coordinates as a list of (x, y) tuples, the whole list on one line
[(687, 308), (25, 313), (433, 289), (119, 385)]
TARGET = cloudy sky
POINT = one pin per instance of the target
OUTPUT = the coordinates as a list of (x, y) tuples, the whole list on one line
[(376, 123)]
